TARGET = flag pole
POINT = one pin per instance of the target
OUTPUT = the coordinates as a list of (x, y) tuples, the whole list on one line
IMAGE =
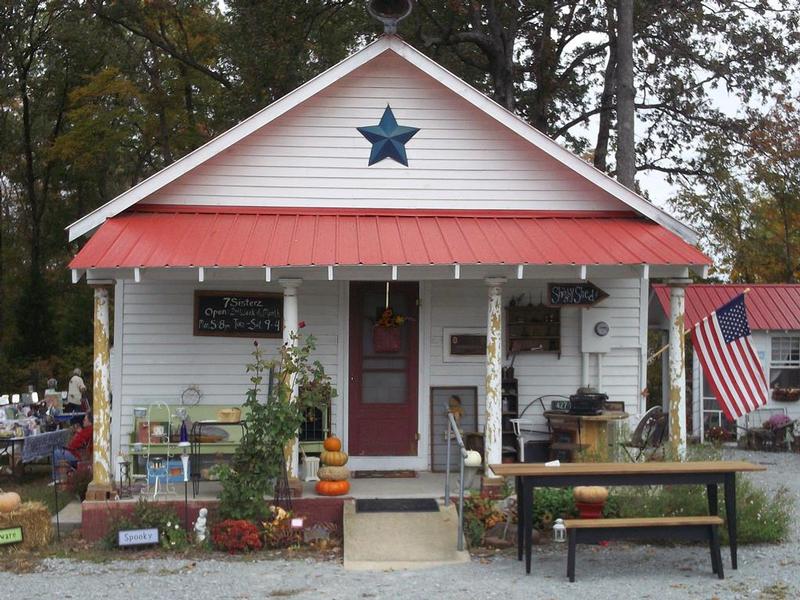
[(686, 332)]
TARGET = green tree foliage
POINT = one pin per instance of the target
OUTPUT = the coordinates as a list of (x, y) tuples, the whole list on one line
[(97, 95), (749, 203)]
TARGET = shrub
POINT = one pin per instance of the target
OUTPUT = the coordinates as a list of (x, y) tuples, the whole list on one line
[(278, 530), (761, 518), (272, 423), (235, 536), (172, 536), (551, 504), (480, 514)]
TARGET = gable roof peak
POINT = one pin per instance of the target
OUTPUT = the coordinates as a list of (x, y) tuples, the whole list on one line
[(385, 43)]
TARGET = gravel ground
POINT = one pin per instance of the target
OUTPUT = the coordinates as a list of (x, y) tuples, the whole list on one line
[(621, 570)]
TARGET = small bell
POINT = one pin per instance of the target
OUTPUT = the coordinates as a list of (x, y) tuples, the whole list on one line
[(559, 531)]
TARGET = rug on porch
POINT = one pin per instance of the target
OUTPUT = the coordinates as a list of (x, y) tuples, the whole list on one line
[(400, 474), (397, 505)]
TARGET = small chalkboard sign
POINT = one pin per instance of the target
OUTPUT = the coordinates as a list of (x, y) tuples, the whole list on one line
[(574, 294), (238, 314), (10, 535), (137, 537)]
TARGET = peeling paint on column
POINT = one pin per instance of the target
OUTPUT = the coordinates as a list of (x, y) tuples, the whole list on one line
[(677, 373), (101, 464), (291, 320), (493, 439)]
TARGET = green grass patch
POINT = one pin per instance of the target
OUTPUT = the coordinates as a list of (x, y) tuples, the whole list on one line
[(33, 487)]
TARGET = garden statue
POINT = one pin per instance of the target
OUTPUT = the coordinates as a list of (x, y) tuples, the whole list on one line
[(200, 530)]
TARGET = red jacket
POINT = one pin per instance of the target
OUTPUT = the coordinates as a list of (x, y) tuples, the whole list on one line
[(81, 440)]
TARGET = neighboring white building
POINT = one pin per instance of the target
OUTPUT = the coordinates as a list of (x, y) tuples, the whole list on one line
[(488, 209), (773, 311)]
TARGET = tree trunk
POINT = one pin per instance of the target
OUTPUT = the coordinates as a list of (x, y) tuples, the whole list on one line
[(787, 241), (607, 97), (543, 72), (626, 144)]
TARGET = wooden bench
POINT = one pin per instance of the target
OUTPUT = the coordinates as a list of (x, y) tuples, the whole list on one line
[(588, 531)]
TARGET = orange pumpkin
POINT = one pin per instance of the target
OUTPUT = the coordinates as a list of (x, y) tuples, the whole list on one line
[(333, 459), (333, 488), (9, 501), (332, 444)]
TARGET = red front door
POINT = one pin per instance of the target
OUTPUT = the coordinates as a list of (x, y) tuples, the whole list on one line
[(383, 384)]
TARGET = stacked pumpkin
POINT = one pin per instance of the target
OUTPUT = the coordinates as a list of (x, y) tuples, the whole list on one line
[(333, 476)]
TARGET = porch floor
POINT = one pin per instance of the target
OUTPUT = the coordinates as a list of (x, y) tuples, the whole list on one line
[(425, 485)]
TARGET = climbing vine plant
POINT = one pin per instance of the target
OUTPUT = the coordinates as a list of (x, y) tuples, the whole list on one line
[(273, 417)]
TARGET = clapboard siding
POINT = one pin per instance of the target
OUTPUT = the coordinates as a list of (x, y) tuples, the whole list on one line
[(464, 304), (161, 357), (313, 155)]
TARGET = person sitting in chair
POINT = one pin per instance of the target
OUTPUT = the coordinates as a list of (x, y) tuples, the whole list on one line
[(79, 446)]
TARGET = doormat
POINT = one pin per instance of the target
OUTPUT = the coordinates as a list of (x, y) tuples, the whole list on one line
[(401, 474), (397, 505)]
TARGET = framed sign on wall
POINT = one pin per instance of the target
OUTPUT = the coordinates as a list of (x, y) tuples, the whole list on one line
[(464, 344), (238, 314)]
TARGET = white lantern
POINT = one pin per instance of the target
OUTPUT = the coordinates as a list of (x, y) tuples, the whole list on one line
[(559, 531)]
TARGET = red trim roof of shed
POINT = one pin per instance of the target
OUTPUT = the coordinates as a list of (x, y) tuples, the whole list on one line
[(195, 236), (769, 306)]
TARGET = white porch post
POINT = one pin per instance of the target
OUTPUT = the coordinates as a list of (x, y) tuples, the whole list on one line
[(677, 367), (101, 487), (493, 436), (291, 320)]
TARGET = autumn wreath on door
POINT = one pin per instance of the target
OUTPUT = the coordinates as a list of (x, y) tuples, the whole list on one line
[(386, 332)]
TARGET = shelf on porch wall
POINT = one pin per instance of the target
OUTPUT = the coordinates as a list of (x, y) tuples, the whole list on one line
[(534, 329), (510, 410)]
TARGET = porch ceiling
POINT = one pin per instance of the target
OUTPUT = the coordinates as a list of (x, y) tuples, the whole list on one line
[(192, 236)]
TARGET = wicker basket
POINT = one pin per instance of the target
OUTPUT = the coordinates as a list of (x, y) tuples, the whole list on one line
[(229, 415)]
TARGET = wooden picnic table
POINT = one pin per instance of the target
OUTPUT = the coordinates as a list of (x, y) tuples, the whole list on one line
[(709, 473)]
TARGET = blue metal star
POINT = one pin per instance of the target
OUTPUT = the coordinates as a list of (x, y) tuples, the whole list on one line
[(388, 139)]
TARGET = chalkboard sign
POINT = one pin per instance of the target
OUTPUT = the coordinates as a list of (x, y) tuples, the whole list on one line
[(574, 294), (238, 314)]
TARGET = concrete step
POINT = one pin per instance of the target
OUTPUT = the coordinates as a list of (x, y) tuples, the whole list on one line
[(400, 540), (69, 518)]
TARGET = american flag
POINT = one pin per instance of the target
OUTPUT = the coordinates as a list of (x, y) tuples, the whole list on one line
[(723, 344)]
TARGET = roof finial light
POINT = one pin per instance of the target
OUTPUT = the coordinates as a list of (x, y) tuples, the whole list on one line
[(390, 12)]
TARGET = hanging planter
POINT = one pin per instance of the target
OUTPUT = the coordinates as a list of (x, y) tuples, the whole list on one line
[(386, 339)]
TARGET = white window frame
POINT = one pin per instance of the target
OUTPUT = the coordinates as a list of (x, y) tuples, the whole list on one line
[(778, 364)]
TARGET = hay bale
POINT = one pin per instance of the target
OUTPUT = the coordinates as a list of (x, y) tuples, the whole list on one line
[(35, 520)]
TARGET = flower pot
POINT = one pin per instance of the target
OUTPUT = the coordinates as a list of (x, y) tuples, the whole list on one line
[(386, 339), (786, 394), (590, 510)]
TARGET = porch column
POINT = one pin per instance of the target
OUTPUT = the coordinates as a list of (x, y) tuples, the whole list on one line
[(493, 436), (677, 368), (291, 322), (102, 486)]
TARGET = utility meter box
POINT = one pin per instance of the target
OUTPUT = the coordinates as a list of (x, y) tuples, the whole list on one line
[(597, 330)]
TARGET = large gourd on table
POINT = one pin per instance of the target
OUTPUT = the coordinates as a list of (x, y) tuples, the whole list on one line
[(334, 475)]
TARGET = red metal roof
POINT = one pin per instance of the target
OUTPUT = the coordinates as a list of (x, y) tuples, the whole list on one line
[(769, 306), (192, 236)]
